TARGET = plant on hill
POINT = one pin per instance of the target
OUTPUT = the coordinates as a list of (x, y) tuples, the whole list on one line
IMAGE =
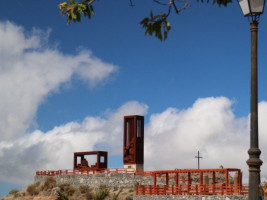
[(49, 183), (129, 198), (32, 190), (84, 189), (67, 188), (61, 195), (102, 193), (116, 196), (89, 195), (13, 192)]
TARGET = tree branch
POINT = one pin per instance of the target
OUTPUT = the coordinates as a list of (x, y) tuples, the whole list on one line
[(158, 2), (131, 3)]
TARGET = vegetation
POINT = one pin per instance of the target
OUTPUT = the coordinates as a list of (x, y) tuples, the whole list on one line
[(32, 190), (62, 195), (67, 191), (262, 188), (154, 25), (102, 193), (49, 183), (84, 189), (13, 192), (116, 196)]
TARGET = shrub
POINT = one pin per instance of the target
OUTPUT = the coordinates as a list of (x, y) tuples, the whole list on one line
[(49, 183), (89, 196), (116, 196), (62, 196), (129, 198), (32, 190), (131, 190), (84, 189), (77, 195), (67, 188), (102, 193), (13, 192)]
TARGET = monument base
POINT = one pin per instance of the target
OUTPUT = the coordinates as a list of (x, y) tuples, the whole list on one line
[(136, 167)]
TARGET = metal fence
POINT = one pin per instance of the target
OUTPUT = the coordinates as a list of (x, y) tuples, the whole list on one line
[(191, 190), (71, 172)]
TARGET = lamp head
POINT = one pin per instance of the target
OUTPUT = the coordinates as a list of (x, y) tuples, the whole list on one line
[(252, 8)]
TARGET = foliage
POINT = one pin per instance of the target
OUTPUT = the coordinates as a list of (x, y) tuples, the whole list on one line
[(67, 188), (13, 192), (102, 193), (74, 9), (262, 189), (32, 190), (89, 196), (129, 198), (219, 2), (61, 195), (49, 183), (154, 25), (116, 196), (84, 189), (157, 25)]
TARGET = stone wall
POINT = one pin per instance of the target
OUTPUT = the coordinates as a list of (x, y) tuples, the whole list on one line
[(129, 180), (96, 180), (190, 197)]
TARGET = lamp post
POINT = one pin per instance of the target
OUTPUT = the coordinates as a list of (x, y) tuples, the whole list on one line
[(253, 9)]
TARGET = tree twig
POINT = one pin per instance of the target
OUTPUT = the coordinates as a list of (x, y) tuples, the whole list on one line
[(131, 3), (158, 2)]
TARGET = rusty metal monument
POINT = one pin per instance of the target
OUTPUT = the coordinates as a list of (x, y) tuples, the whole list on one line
[(133, 142), (101, 160)]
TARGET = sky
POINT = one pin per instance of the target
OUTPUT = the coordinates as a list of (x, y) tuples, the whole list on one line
[(65, 88)]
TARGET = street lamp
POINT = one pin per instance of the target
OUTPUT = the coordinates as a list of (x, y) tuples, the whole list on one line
[(253, 9)]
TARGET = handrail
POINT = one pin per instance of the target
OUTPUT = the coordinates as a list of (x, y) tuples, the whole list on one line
[(84, 171), (191, 190)]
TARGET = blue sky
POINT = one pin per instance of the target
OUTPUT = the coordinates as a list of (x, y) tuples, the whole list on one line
[(67, 87)]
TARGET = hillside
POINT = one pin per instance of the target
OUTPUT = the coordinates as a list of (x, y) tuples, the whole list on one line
[(50, 191)]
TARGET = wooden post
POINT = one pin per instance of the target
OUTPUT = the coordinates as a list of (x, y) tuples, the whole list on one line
[(213, 182), (177, 182), (189, 182), (155, 179), (226, 181), (201, 183), (167, 179)]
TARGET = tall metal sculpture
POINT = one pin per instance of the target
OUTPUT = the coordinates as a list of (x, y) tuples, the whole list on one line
[(133, 142)]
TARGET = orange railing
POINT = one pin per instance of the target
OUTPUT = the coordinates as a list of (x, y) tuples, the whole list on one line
[(190, 190), (84, 171)]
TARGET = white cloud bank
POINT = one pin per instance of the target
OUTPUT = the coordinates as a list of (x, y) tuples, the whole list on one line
[(30, 70), (172, 139)]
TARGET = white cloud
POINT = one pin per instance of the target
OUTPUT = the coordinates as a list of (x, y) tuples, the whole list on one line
[(208, 126), (53, 150), (172, 139), (29, 71)]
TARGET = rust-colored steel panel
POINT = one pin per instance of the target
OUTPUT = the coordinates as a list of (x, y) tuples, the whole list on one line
[(133, 140), (101, 160)]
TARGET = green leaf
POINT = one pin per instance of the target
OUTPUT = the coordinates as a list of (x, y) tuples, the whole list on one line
[(156, 25), (74, 10)]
